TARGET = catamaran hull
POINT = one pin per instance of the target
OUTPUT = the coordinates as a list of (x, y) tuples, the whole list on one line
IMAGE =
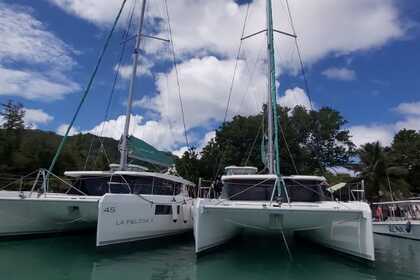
[(402, 229), (49, 213), (128, 217), (346, 228)]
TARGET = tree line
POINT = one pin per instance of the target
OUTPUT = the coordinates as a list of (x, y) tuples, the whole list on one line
[(311, 142)]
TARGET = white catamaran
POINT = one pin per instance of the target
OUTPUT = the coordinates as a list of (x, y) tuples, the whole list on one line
[(125, 203), (282, 205)]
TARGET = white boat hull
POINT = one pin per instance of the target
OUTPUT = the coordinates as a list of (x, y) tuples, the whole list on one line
[(129, 217), (345, 227), (48, 213), (401, 229)]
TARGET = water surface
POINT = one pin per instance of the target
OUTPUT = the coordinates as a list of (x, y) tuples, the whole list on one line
[(249, 257)]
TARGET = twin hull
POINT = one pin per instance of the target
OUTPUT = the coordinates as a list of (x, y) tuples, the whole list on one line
[(129, 217), (117, 217), (47, 213), (345, 227)]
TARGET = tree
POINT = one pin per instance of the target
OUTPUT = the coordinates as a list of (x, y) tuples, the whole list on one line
[(304, 140), (188, 166), (383, 180), (404, 153), (12, 114)]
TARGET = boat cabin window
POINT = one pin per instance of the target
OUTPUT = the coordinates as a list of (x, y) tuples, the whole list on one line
[(260, 190), (91, 185), (163, 210), (166, 187), (305, 190), (140, 185), (100, 185), (257, 190)]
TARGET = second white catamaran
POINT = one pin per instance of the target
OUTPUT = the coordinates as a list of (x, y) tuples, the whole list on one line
[(282, 205)]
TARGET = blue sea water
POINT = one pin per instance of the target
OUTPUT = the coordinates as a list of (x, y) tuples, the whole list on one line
[(248, 257)]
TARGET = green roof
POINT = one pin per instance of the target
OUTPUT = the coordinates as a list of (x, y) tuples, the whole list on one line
[(140, 150)]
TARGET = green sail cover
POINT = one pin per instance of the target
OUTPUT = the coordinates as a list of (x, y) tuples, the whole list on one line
[(140, 150)]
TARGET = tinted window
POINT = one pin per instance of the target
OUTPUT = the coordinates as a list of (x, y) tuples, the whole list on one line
[(259, 190), (305, 190), (140, 185), (91, 185), (165, 187), (163, 210)]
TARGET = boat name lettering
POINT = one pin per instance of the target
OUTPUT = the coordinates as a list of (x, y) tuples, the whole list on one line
[(398, 228), (134, 221)]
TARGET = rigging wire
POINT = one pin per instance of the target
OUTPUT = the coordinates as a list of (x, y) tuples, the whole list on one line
[(236, 64), (220, 159), (305, 80), (88, 87), (111, 94), (176, 73), (299, 53)]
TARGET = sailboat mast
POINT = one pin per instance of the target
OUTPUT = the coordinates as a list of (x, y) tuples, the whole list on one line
[(273, 151), (124, 142)]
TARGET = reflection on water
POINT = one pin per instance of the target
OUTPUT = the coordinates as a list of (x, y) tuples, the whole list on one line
[(250, 257)]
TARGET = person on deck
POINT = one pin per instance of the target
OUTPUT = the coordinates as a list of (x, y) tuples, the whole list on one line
[(379, 214)]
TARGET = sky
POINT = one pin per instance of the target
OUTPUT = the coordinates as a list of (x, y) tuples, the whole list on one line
[(361, 58)]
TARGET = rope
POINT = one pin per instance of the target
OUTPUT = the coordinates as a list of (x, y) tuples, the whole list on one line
[(176, 73), (88, 87)]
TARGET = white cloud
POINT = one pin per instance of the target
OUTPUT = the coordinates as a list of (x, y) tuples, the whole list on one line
[(33, 85), (205, 84), (61, 130), (204, 27), (157, 133), (24, 38), (143, 68), (384, 133), (92, 10), (295, 97), (409, 108), (33, 117), (26, 42), (362, 134), (343, 74), (179, 152), (342, 170)]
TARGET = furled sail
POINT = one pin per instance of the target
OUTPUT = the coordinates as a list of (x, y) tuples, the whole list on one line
[(140, 150)]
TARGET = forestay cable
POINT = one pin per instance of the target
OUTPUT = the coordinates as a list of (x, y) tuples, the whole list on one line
[(124, 36), (88, 87), (176, 73)]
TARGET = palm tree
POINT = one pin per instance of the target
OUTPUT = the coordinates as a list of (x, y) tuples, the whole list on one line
[(383, 181)]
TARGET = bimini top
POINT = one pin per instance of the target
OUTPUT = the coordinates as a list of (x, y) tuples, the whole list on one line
[(140, 150), (77, 174)]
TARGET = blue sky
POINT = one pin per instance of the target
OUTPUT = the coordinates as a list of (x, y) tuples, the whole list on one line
[(362, 59)]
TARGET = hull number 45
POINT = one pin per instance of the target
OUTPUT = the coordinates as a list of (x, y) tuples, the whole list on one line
[(109, 209)]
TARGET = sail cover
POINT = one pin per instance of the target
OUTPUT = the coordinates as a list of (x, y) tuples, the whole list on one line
[(140, 150)]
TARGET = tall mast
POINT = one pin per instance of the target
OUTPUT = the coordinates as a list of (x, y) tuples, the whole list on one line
[(124, 142), (273, 149)]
